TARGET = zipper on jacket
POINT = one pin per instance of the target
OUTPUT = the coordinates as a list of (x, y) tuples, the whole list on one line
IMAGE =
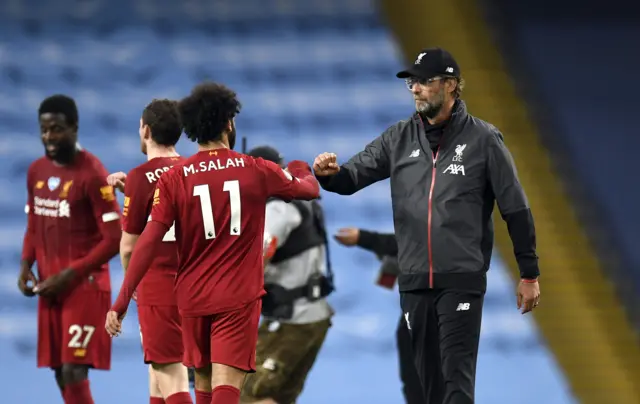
[(430, 208)]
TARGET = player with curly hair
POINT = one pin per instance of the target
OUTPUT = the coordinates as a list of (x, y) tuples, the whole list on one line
[(216, 200)]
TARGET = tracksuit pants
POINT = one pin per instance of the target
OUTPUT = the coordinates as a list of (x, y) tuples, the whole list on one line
[(444, 334)]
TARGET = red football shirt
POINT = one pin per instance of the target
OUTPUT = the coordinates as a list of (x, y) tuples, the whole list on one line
[(156, 288), (217, 201), (71, 209)]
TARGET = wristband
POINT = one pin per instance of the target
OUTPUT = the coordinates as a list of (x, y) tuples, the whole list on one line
[(529, 280)]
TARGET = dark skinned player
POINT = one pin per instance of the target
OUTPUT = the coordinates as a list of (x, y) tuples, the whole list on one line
[(73, 230)]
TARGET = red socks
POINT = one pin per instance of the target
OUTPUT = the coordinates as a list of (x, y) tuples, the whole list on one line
[(179, 398), (220, 395), (78, 393), (225, 395), (203, 397), (156, 400)]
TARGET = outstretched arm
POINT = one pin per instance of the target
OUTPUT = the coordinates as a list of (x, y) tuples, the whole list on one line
[(163, 213), (297, 182), (106, 213), (380, 243), (365, 168), (149, 242)]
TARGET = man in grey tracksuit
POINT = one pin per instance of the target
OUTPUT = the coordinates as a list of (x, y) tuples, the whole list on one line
[(447, 170)]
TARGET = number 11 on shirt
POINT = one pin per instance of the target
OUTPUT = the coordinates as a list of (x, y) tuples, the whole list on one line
[(202, 192)]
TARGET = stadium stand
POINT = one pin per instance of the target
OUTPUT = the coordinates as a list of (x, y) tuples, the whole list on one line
[(312, 75), (583, 118)]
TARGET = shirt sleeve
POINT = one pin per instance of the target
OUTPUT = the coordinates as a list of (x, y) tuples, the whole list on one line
[(106, 213), (281, 219), (513, 206), (381, 244), (143, 254), (163, 206), (504, 177), (136, 201), (365, 168), (296, 183), (28, 246), (103, 199)]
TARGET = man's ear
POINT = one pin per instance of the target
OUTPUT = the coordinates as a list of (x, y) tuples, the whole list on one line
[(147, 131)]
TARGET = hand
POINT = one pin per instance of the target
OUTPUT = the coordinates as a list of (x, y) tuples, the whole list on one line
[(117, 180), (113, 325), (326, 164), (26, 281), (528, 296), (56, 284), (348, 236)]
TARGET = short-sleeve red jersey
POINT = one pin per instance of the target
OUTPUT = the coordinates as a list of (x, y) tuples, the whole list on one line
[(70, 209), (156, 287), (217, 201)]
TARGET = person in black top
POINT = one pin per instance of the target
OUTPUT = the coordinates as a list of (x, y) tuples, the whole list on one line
[(385, 247), (448, 169)]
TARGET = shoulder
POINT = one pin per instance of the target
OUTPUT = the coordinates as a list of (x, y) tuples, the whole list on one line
[(177, 168), (91, 173), (399, 127), (135, 172), (395, 133), (171, 177), (487, 133), (267, 167), (403, 124), (184, 161), (136, 180), (37, 165), (258, 162), (89, 164)]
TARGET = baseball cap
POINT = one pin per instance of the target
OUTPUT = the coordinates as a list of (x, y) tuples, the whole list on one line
[(267, 153), (431, 62)]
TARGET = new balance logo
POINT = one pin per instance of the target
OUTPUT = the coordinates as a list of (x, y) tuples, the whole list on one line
[(406, 318), (454, 169), (463, 306), (415, 153)]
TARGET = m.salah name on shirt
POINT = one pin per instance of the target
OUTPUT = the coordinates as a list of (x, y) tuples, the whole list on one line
[(215, 164)]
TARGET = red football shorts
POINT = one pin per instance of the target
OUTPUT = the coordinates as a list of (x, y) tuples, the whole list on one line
[(228, 338), (161, 334), (71, 331)]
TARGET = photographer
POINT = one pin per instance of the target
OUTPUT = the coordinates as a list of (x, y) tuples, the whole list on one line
[(296, 314)]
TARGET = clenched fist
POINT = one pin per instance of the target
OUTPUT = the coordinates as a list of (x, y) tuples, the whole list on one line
[(326, 164)]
